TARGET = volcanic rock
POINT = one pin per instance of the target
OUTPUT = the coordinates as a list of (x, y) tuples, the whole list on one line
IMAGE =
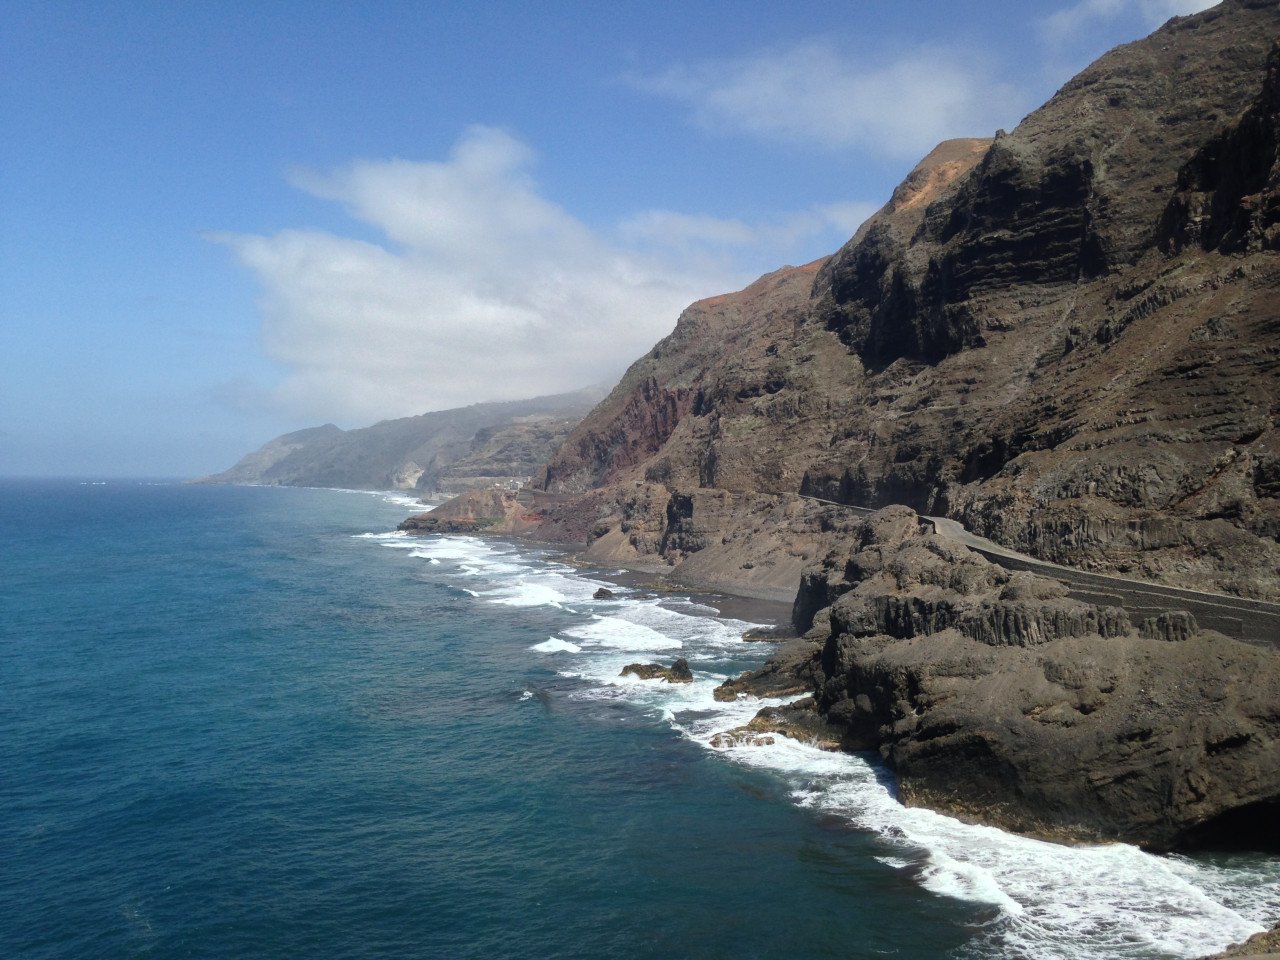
[(678, 672), (995, 696), (1066, 338), (430, 523), (1261, 946)]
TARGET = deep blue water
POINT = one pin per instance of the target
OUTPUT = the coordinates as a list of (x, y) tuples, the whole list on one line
[(241, 722)]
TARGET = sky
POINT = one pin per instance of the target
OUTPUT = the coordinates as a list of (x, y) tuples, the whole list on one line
[(222, 222)]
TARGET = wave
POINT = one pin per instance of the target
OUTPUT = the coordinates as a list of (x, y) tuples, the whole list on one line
[(1048, 901), (556, 645)]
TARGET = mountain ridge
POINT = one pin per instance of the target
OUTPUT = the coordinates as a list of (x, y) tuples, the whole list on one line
[(445, 451)]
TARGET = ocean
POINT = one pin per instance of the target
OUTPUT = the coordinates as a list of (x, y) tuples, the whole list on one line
[(252, 722)]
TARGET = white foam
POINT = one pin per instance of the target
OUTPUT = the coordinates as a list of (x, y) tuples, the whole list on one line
[(896, 862), (966, 881), (526, 594), (556, 645), (620, 634), (398, 497)]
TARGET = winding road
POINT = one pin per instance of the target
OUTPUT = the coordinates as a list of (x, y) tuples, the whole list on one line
[(1253, 620)]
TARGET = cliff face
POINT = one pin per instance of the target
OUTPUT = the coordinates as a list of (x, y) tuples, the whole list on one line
[(994, 695), (444, 452), (1066, 338)]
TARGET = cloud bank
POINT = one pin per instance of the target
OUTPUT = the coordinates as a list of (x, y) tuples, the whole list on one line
[(483, 290), (813, 95), (1070, 23)]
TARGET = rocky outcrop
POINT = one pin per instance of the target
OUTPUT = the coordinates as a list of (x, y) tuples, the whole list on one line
[(425, 523), (995, 696), (678, 672), (751, 545), (1262, 946), (798, 720), (790, 671), (446, 452), (492, 510)]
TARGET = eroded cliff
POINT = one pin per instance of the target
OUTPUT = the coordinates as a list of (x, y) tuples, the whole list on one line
[(1066, 337), (996, 696)]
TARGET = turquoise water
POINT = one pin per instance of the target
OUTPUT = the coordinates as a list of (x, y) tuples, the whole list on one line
[(249, 722)]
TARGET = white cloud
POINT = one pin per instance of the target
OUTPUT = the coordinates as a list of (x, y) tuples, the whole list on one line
[(690, 233), (486, 290), (1070, 23), (811, 94)]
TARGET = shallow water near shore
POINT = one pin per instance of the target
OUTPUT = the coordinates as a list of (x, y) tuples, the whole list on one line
[(248, 722)]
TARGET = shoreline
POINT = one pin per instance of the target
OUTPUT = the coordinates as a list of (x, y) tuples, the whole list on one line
[(757, 610), (650, 582)]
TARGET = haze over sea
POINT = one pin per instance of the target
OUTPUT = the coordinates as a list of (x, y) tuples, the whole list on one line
[(250, 722)]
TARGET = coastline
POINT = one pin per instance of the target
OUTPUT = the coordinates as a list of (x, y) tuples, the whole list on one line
[(1030, 893), (942, 854)]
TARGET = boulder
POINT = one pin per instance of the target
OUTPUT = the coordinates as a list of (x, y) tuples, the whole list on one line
[(678, 672)]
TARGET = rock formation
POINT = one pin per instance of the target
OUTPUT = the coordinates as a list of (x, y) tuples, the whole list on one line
[(995, 696), (678, 672), (1261, 946)]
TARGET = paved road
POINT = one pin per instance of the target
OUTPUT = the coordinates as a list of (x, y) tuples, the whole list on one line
[(1252, 620)]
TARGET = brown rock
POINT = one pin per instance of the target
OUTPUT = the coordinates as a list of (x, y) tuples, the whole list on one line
[(678, 672), (1261, 946), (996, 697), (788, 673)]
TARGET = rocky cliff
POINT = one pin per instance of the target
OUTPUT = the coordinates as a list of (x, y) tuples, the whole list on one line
[(1065, 337), (447, 452), (996, 696)]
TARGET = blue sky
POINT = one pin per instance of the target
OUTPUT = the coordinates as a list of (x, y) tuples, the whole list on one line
[(220, 222)]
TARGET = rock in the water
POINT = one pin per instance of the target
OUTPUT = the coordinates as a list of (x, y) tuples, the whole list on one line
[(768, 634), (678, 672), (741, 737), (430, 523), (604, 593), (790, 672)]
